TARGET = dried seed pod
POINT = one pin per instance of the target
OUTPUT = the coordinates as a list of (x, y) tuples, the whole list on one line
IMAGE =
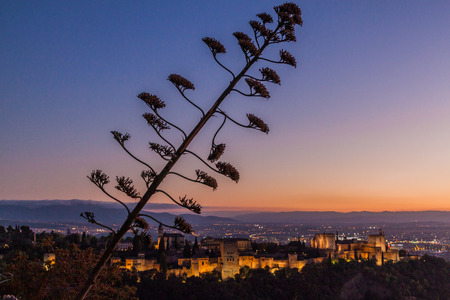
[(190, 204), (141, 223), (152, 101), (228, 170), (246, 43), (121, 138), (214, 45), (181, 224), (98, 178), (148, 176), (257, 88), (155, 122), (289, 13), (126, 185), (287, 58), (257, 123), (162, 150), (204, 178), (265, 17), (181, 82), (270, 75), (258, 27), (216, 152)]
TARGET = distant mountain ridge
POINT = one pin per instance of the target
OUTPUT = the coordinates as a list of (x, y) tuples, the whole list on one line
[(332, 217), (68, 211)]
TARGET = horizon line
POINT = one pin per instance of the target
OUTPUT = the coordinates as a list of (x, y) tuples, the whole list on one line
[(173, 207)]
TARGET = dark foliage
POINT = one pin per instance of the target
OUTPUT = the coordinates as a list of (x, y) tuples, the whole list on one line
[(427, 278)]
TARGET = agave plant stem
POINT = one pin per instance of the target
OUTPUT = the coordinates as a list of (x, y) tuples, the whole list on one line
[(160, 177)]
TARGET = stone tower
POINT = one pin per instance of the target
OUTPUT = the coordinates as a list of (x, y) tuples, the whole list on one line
[(378, 240), (324, 241)]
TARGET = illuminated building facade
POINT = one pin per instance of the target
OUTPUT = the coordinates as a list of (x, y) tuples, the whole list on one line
[(236, 254), (374, 248)]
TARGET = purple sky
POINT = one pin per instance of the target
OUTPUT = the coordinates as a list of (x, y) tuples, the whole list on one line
[(363, 123)]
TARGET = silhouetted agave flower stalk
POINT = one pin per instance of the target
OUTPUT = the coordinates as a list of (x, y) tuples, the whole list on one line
[(152, 101), (126, 186), (203, 177), (265, 17), (228, 170), (216, 152), (190, 204), (264, 35), (270, 75), (287, 58), (215, 46), (157, 123), (164, 151), (257, 123), (257, 88), (148, 176), (180, 82)]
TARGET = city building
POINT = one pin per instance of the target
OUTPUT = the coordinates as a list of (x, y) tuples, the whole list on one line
[(169, 240), (374, 248), (234, 254)]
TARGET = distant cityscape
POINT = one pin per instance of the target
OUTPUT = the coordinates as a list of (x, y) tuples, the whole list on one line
[(415, 238), (406, 231), (225, 250)]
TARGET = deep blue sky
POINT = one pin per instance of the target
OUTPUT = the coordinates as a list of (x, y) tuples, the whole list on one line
[(362, 123)]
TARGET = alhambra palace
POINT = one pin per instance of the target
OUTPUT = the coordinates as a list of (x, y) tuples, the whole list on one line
[(231, 254)]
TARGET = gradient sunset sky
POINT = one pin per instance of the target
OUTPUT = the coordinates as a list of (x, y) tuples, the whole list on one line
[(362, 123)]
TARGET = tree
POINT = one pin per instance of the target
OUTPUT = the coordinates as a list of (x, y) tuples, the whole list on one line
[(195, 248), (84, 241), (137, 244), (93, 242), (30, 279), (288, 15), (187, 251)]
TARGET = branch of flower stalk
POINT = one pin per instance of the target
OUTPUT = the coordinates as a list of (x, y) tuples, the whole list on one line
[(115, 199), (160, 135), (170, 197), (185, 227), (125, 185), (279, 41), (175, 201), (189, 179), (247, 58), (93, 221), (248, 95), (272, 61), (182, 176), (137, 159), (256, 39), (191, 102), (259, 79), (165, 152), (164, 158), (157, 221), (199, 158), (148, 177), (171, 124), (254, 78), (223, 123), (235, 122), (217, 61)]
